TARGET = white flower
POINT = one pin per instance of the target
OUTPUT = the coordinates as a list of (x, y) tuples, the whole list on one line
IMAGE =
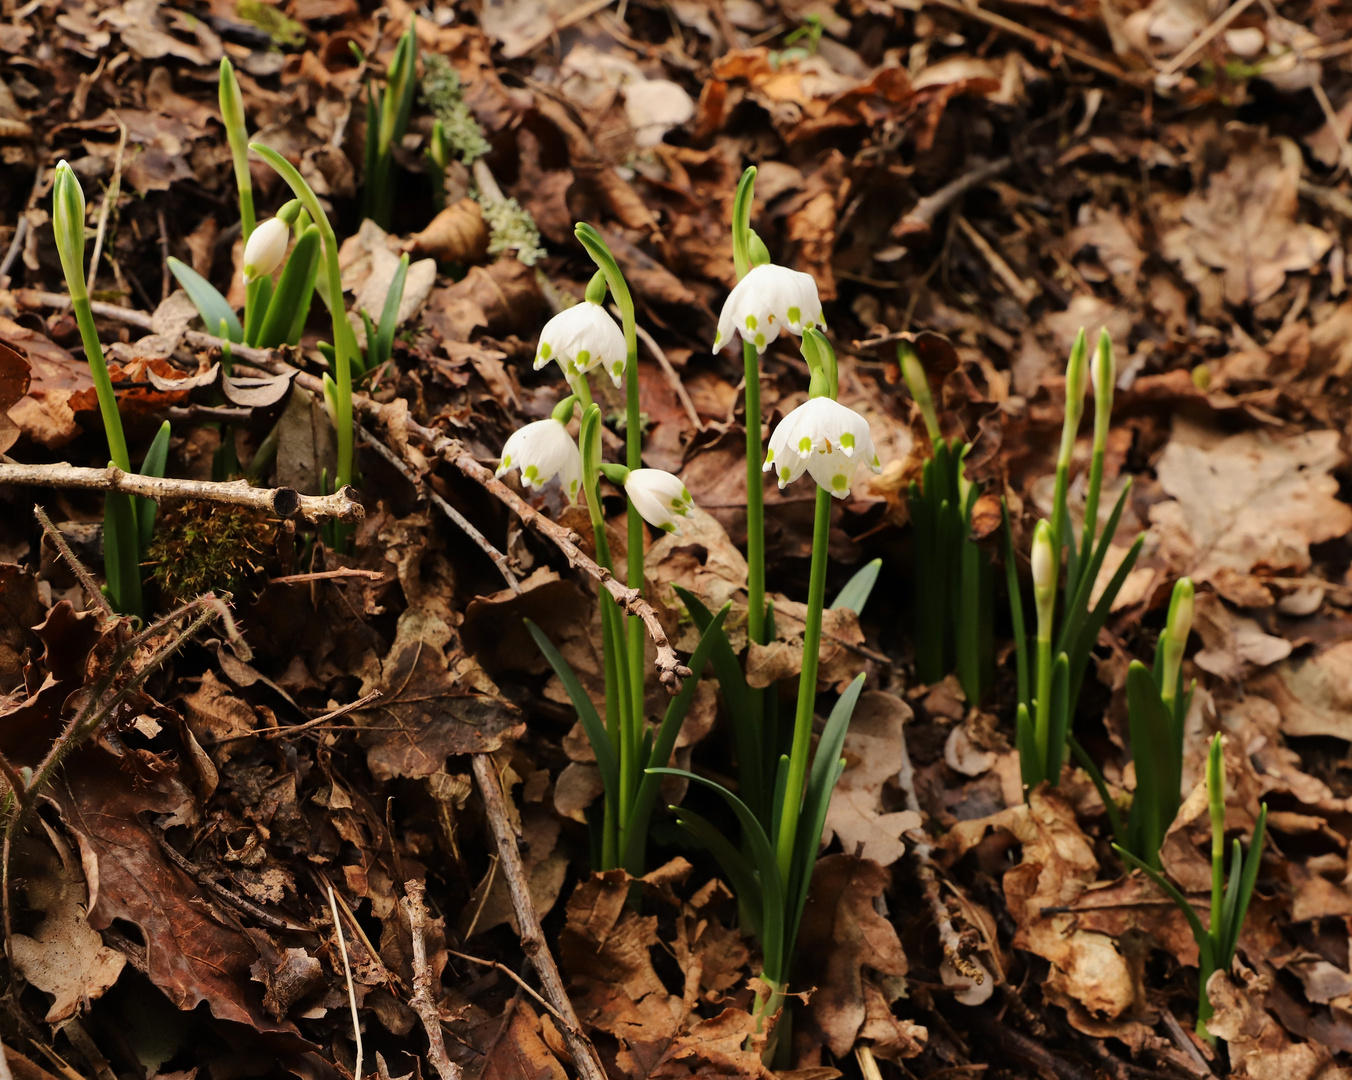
[(543, 450), (770, 299), (827, 440), (659, 498), (582, 338), (266, 249)]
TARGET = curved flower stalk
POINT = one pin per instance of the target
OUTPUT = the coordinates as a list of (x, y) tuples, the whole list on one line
[(128, 521), (344, 338), (1043, 723), (954, 579), (773, 872), (1229, 899)]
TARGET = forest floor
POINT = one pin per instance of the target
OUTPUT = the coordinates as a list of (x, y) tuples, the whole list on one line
[(298, 818)]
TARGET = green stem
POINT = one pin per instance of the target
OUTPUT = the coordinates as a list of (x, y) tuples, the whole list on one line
[(1042, 727), (344, 338), (755, 499), (103, 383), (807, 686)]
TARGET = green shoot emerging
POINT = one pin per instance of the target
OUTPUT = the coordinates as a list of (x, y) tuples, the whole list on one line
[(1229, 898), (953, 579)]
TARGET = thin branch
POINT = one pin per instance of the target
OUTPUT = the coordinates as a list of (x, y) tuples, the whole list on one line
[(585, 1058), (514, 977), (80, 570), (284, 502), (21, 230), (347, 974), (423, 1001), (920, 218), (110, 198), (457, 518)]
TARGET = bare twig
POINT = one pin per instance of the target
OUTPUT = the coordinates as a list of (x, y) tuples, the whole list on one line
[(920, 218), (327, 575), (965, 973), (457, 518), (347, 974), (1199, 43), (21, 230), (673, 379), (284, 502), (585, 1058), (423, 1001), (109, 201), (328, 717), (511, 975), (1025, 292), (80, 570)]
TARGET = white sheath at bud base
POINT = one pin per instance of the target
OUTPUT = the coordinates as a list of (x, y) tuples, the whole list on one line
[(266, 249), (827, 440), (659, 497), (582, 338), (542, 451), (765, 303)]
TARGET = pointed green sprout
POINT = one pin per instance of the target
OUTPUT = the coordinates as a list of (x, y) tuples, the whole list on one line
[(1229, 898), (1073, 643), (387, 116), (344, 339), (954, 586)]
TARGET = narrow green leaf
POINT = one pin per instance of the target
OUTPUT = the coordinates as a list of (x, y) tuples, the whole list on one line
[(210, 304), (1016, 609), (856, 592), (659, 754), (121, 555), (743, 881), (1199, 932), (1031, 766), (157, 457), (1059, 728), (389, 315), (1088, 637), (260, 296), (1100, 785), (1248, 879), (586, 710)]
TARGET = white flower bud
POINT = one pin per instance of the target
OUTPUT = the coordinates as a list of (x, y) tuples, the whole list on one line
[(768, 301), (1044, 567), (543, 450), (582, 338), (824, 438), (659, 497), (266, 249)]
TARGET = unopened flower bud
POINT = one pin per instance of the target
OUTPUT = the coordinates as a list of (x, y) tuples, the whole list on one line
[(266, 249), (1044, 578), (68, 224), (1175, 638)]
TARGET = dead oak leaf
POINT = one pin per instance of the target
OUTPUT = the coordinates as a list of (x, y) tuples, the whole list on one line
[(65, 956), (1239, 237), (44, 413), (873, 756), (1057, 866), (1246, 505), (1259, 1047), (429, 708), (842, 935)]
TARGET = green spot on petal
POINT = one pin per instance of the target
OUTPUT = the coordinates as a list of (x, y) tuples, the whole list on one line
[(751, 322), (804, 445), (847, 440), (770, 455), (838, 482), (583, 356), (795, 315), (531, 472), (545, 351), (760, 341), (784, 474)]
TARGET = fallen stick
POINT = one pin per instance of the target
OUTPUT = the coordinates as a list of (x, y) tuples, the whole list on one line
[(585, 1058), (423, 1001), (285, 502)]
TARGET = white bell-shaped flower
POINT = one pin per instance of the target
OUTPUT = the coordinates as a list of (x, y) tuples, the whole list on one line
[(768, 301), (266, 249), (580, 339), (827, 440), (659, 497), (543, 450)]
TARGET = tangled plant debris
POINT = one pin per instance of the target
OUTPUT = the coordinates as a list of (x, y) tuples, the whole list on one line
[(427, 680)]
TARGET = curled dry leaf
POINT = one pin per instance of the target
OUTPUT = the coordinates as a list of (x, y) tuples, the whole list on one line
[(1259, 1048), (457, 234), (1056, 868)]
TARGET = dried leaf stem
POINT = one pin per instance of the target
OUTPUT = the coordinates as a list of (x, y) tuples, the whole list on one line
[(423, 1001)]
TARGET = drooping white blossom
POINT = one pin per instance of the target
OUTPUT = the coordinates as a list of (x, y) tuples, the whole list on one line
[(768, 301), (543, 450), (580, 339), (659, 497), (825, 439), (266, 249)]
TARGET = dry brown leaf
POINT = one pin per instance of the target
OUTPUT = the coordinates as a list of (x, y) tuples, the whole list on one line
[(1057, 866), (1247, 505), (1239, 237), (1259, 1048), (457, 234), (783, 657), (65, 956), (873, 758), (44, 414)]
